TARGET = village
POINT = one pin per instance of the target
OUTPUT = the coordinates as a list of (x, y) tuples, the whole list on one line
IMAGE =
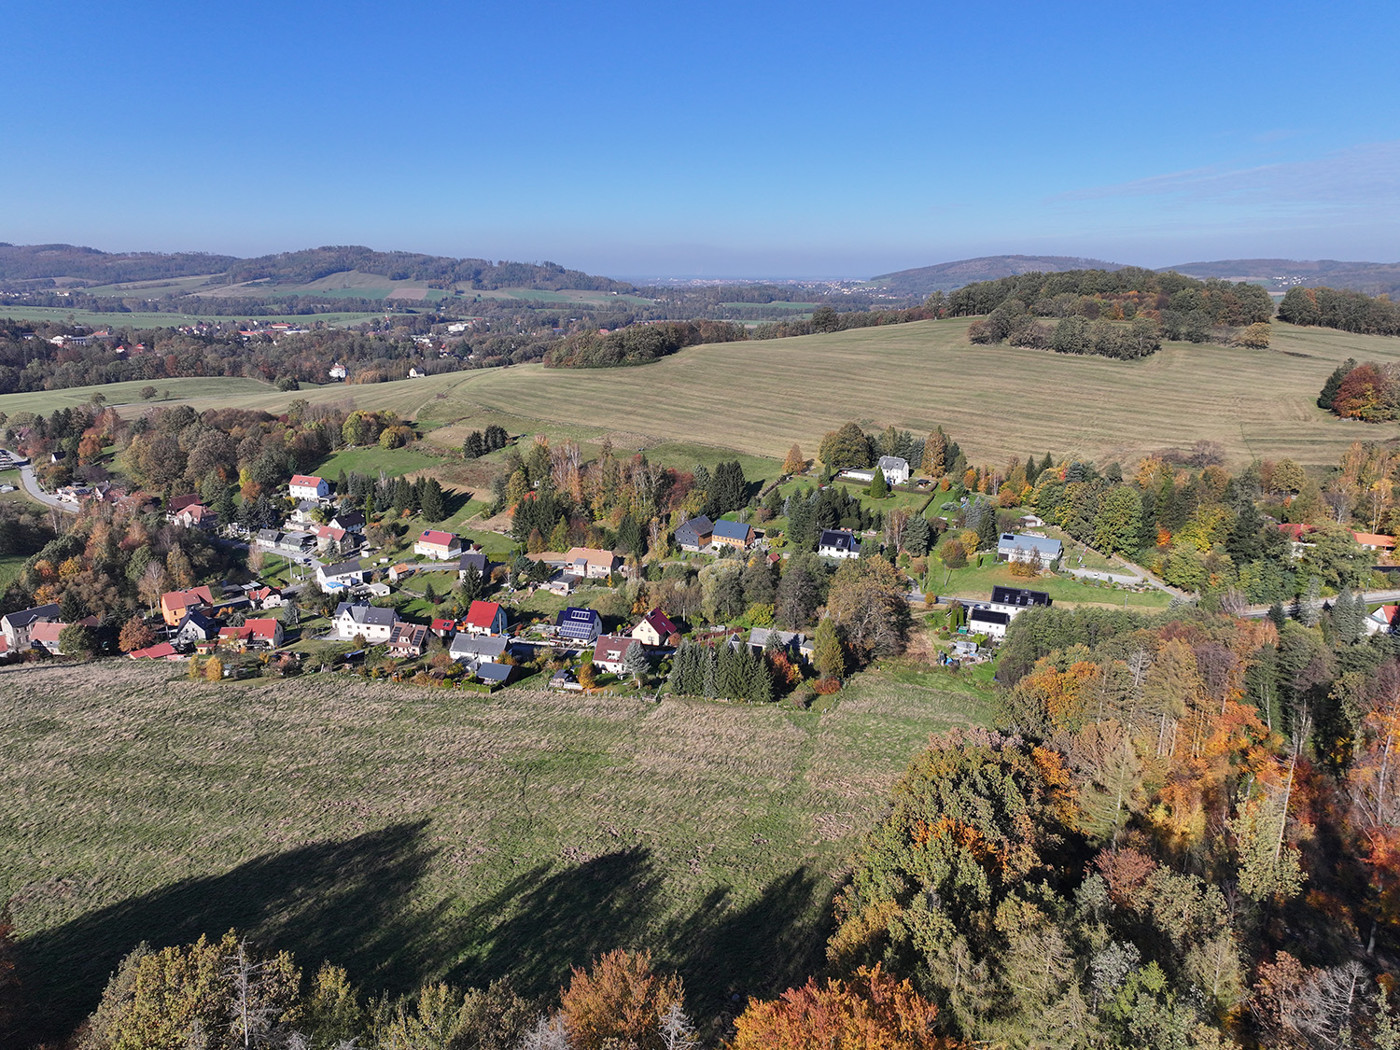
[(322, 598)]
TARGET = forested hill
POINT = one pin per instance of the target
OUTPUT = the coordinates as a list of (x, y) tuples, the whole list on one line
[(944, 277), (50, 262), (29, 262)]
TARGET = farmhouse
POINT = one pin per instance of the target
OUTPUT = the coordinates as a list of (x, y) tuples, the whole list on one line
[(895, 469), (195, 627), (484, 618), (610, 652), (733, 534), (589, 563), (838, 543), (373, 624), (253, 634), (18, 627), (440, 546), (579, 625), (695, 534), (307, 486), (656, 629), (45, 636), (1020, 547), (174, 604), (349, 520)]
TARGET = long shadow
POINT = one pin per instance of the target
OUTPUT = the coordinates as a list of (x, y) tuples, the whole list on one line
[(342, 901), (545, 921)]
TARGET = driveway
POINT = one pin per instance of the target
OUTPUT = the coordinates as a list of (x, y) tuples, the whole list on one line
[(31, 485)]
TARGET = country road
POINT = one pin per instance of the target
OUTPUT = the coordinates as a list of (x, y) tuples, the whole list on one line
[(31, 485)]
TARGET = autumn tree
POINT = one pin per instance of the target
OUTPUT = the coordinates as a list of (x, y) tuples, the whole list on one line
[(796, 462), (871, 1011), (618, 1001), (867, 601)]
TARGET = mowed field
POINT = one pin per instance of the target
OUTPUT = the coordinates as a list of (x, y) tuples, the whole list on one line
[(412, 834), (761, 397)]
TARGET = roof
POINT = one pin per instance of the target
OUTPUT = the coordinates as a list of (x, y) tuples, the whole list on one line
[(1018, 596), (306, 480), (1295, 530), (1042, 545), (183, 599), (344, 568), (161, 649), (438, 538), (197, 618), (732, 530), (482, 614), (893, 463), (24, 617), (660, 623), (479, 647), (988, 616), (47, 631), (838, 538), (1385, 614), (179, 503), (589, 555), (1374, 539), (406, 633), (574, 615), (612, 648), (349, 519), (367, 614), (472, 558), (492, 672), (701, 526), (262, 627), (785, 639)]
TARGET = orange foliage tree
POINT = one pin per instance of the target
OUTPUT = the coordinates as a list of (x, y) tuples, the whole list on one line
[(618, 1002), (872, 1011)]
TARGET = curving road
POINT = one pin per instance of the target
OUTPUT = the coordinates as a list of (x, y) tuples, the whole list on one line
[(31, 485)]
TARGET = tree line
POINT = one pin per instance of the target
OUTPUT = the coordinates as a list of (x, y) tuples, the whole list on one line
[(1342, 309)]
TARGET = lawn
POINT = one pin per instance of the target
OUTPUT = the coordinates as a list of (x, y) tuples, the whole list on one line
[(412, 834), (977, 582)]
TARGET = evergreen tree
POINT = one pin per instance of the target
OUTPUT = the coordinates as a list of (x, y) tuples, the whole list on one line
[(879, 487), (469, 590), (635, 662), (916, 536), (829, 654), (474, 447), (434, 507)]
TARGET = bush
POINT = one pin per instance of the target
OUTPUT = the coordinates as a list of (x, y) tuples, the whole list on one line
[(826, 686)]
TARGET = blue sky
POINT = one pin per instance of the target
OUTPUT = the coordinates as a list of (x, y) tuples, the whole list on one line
[(758, 139)]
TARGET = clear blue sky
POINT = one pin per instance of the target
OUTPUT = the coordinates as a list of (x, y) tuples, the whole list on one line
[(758, 138)]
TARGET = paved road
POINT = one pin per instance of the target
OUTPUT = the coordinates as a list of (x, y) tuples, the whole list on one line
[(31, 485), (1256, 612)]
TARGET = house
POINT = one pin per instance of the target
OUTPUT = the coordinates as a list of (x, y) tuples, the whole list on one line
[(339, 577), (440, 546), (1014, 546), (349, 520), (895, 469), (610, 652), (475, 650), (964, 647), (290, 544), (484, 618), (326, 535), (695, 534), (990, 622), (1019, 596), (160, 651), (1375, 541), (18, 627), (304, 513), (562, 584), (655, 629), (308, 486), (407, 639), (494, 673), (443, 626), (473, 560), (174, 604), (266, 597), (791, 642), (45, 636), (337, 371), (732, 534), (402, 571), (1382, 621), (194, 627), (355, 619), (253, 634), (589, 563), (579, 625), (195, 516), (838, 543)]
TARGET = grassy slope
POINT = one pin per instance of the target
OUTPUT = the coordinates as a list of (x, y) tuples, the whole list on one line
[(760, 397), (213, 388), (412, 833), (105, 319)]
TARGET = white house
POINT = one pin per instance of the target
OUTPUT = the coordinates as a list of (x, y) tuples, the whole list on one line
[(895, 469), (440, 546), (1020, 547), (838, 543), (338, 577), (307, 486), (373, 624), (990, 622)]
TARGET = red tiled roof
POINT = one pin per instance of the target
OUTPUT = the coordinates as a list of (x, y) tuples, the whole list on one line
[(153, 652), (440, 539), (306, 479), (482, 614)]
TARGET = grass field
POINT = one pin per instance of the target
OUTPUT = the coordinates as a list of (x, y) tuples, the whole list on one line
[(213, 388), (760, 397), (411, 833), (977, 582)]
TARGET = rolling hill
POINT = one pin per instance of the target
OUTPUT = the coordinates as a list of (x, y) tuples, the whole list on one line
[(944, 277)]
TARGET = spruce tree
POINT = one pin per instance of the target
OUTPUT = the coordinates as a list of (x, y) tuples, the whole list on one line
[(433, 503)]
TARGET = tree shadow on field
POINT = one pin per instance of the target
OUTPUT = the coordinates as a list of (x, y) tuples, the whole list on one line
[(341, 901), (539, 925)]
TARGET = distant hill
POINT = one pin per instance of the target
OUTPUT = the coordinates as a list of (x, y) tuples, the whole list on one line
[(1279, 275), (944, 277), (70, 265)]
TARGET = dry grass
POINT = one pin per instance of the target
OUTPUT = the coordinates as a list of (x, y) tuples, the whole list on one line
[(411, 833)]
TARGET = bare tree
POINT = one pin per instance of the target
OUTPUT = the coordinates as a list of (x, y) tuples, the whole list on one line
[(548, 1034), (677, 1033)]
